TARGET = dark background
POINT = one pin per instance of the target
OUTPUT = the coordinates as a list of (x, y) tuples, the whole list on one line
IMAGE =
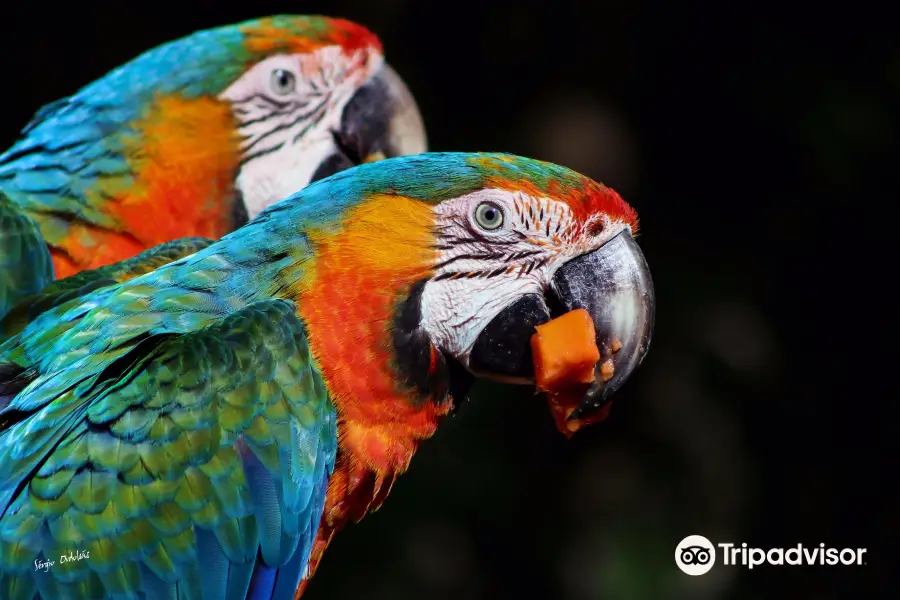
[(756, 143)]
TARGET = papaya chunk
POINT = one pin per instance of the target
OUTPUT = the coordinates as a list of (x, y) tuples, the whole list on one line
[(565, 355), (565, 352), (561, 406)]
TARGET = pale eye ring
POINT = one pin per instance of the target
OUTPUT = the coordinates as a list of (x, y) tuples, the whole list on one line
[(488, 216), (283, 82)]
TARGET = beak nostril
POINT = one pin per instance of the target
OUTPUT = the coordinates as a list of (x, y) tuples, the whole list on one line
[(596, 228)]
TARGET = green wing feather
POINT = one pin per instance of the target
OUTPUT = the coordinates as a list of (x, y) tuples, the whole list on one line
[(75, 286), (192, 465), (25, 264)]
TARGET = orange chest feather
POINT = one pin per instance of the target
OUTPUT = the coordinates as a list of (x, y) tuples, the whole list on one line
[(349, 319), (348, 301), (183, 156), (359, 276)]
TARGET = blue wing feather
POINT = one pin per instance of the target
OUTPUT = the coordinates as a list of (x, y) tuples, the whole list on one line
[(186, 477), (262, 583)]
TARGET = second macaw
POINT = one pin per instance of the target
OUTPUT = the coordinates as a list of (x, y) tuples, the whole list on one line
[(203, 430), (193, 138)]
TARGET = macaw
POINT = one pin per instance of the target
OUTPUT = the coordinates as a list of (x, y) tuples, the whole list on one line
[(203, 430), (193, 138)]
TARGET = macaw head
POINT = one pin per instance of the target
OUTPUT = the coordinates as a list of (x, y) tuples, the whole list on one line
[(513, 255), (314, 96), (442, 272)]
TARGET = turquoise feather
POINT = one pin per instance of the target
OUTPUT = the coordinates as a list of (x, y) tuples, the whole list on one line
[(141, 499)]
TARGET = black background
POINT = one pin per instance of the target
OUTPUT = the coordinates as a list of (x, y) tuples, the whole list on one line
[(756, 143)]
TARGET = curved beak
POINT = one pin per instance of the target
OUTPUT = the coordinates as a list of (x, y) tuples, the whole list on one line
[(614, 286), (381, 120)]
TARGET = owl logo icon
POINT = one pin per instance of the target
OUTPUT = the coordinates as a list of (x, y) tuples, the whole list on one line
[(695, 555)]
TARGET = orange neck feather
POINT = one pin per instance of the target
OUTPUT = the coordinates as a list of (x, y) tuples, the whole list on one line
[(183, 157), (348, 301)]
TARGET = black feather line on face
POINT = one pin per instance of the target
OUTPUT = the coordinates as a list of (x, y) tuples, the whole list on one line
[(288, 109), (483, 274), (542, 262), (292, 123), (268, 100), (472, 256), (322, 111), (260, 153), (479, 237), (523, 254), (485, 249), (486, 243)]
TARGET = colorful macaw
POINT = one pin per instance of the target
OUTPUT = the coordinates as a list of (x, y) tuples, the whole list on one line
[(193, 138), (203, 430)]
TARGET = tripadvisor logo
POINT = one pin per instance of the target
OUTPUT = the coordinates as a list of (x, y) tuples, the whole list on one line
[(696, 555)]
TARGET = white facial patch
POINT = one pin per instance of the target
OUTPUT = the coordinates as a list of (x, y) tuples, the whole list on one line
[(485, 267), (287, 107)]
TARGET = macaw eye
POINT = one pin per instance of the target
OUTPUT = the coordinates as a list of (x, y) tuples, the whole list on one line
[(488, 216), (283, 82)]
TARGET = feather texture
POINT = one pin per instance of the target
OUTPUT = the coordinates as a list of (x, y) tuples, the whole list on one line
[(25, 265), (75, 286), (167, 469)]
